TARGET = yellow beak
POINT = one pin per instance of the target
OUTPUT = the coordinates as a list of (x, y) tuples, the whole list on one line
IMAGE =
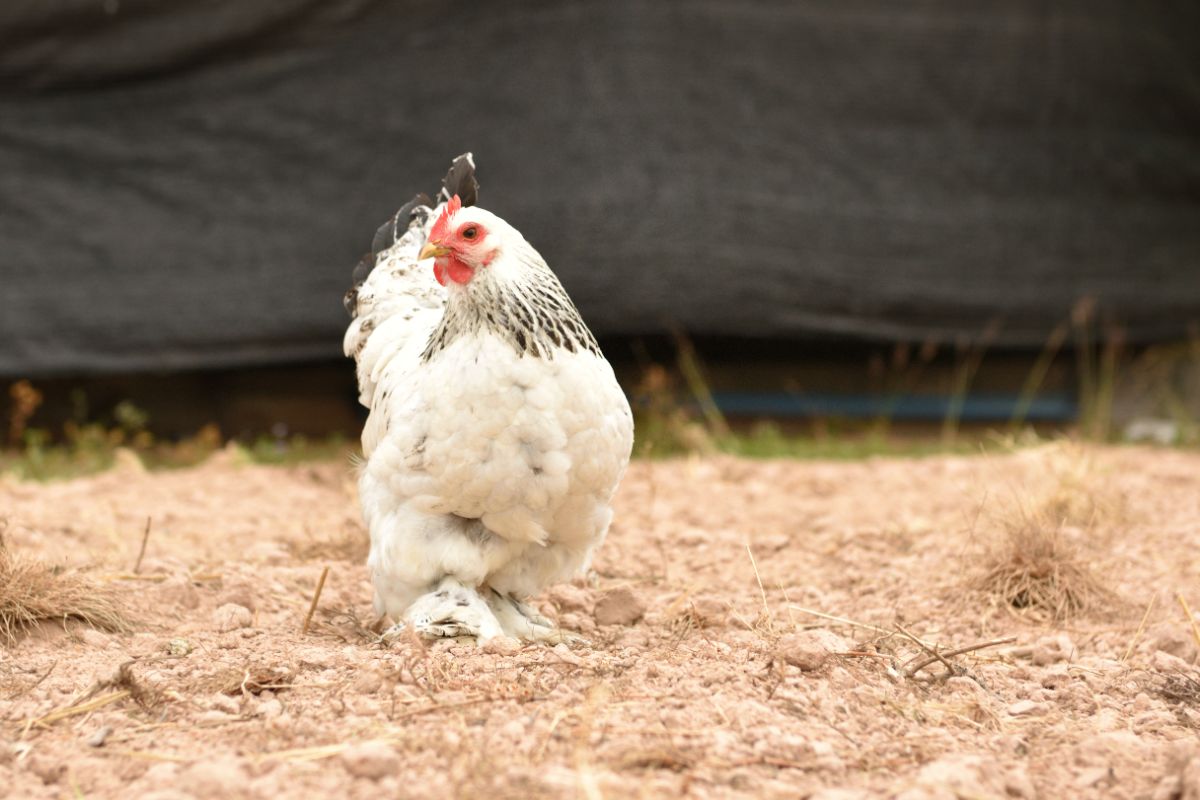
[(432, 249)]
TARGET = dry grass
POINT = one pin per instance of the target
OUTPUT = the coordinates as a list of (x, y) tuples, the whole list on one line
[(32, 592), (1080, 492), (1036, 567), (1037, 561)]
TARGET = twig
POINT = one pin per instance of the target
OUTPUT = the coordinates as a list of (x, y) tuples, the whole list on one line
[(761, 590), (958, 651), (1141, 627), (82, 708), (137, 565), (158, 577), (1191, 619), (313, 606), (936, 656), (852, 623)]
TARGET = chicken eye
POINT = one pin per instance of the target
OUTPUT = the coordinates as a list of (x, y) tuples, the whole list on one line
[(470, 233)]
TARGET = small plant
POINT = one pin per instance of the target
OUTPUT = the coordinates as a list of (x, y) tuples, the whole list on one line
[(1037, 562), (1036, 567)]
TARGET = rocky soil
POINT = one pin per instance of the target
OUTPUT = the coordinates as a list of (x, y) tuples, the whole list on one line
[(762, 629)]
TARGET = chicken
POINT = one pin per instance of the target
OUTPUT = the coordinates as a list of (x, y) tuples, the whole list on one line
[(497, 431)]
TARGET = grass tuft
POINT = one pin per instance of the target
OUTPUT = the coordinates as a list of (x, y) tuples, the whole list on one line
[(1036, 567), (33, 592)]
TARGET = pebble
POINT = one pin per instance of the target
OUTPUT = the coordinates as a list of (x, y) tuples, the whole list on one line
[(179, 646), (94, 638), (179, 590), (569, 597), (101, 735), (1026, 708), (809, 650), (563, 653), (371, 760), (231, 617), (619, 607), (1174, 639), (502, 646), (368, 682), (1053, 649)]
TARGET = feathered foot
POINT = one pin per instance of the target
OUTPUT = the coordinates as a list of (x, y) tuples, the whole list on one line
[(522, 621), (451, 610)]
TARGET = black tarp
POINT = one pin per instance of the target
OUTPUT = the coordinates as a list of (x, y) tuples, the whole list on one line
[(189, 184)]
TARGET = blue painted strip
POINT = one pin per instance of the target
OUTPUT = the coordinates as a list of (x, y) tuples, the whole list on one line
[(975, 407)]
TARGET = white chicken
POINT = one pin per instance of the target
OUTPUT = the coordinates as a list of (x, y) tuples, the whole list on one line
[(497, 432)]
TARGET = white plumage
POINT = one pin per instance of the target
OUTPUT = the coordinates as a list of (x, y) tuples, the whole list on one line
[(497, 432)]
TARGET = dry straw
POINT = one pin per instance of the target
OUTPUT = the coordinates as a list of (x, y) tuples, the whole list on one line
[(32, 592)]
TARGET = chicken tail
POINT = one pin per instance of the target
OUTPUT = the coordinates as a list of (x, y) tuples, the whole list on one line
[(460, 180)]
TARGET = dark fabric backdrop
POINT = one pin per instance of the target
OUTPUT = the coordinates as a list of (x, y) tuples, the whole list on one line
[(189, 184)]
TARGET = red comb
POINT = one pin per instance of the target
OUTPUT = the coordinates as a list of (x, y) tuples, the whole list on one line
[(441, 228)]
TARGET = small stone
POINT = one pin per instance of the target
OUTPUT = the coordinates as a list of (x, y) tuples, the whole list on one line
[(179, 646), (569, 597), (1053, 649), (368, 682), (1164, 662), (101, 735), (1025, 708), (502, 646), (231, 617), (809, 650), (179, 590), (1176, 640), (94, 638), (564, 654), (619, 607), (371, 760)]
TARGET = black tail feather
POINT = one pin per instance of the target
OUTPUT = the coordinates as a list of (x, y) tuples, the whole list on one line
[(460, 180), (391, 231)]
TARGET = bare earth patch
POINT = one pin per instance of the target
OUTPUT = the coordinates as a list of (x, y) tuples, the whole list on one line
[(950, 627)]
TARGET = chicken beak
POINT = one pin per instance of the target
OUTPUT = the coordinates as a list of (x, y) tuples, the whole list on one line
[(432, 249)]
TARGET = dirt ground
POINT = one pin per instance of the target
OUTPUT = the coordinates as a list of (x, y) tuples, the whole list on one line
[(710, 671)]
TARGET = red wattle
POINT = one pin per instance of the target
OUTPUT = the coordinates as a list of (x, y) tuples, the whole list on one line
[(439, 272), (459, 272)]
